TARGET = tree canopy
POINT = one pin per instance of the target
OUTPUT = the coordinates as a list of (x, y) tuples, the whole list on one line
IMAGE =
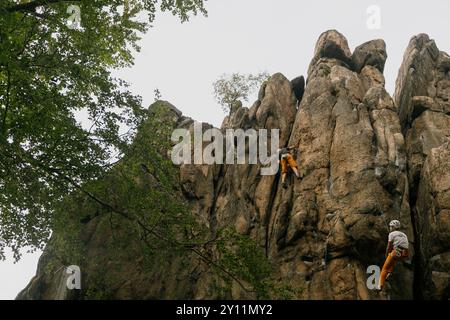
[(51, 71), (56, 174), (231, 88)]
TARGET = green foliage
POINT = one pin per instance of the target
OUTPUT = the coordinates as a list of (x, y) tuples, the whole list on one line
[(144, 187), (57, 175), (245, 262), (136, 208), (149, 219), (229, 89), (49, 73)]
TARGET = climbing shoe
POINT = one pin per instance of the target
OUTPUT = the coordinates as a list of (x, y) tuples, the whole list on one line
[(284, 185)]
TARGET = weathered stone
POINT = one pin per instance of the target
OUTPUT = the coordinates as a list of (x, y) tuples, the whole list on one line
[(372, 53), (422, 95), (352, 157), (415, 76), (372, 77), (333, 45)]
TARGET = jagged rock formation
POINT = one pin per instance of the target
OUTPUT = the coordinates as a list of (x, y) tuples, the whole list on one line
[(351, 154), (423, 99), (364, 160)]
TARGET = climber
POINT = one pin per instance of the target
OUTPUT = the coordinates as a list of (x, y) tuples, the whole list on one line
[(286, 159), (397, 250)]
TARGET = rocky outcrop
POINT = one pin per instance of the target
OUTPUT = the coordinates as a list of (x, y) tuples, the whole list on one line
[(423, 98), (358, 172), (432, 216), (372, 53), (326, 229)]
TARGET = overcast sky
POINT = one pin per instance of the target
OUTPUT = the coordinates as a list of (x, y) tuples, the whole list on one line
[(250, 36)]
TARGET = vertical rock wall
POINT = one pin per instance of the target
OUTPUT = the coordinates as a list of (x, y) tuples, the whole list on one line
[(364, 160), (423, 98)]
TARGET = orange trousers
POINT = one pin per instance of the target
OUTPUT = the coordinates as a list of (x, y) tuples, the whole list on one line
[(288, 160), (391, 260)]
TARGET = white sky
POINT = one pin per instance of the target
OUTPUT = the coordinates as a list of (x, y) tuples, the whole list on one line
[(249, 36)]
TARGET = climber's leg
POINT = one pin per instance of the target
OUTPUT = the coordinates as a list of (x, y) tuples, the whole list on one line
[(293, 165), (284, 170), (296, 172), (283, 180), (388, 268)]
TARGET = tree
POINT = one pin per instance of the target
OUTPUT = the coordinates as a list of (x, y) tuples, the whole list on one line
[(141, 205), (53, 170), (230, 89), (50, 71)]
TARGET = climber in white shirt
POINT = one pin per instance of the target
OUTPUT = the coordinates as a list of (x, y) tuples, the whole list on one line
[(397, 250)]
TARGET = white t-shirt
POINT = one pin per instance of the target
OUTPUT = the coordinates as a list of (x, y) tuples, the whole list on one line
[(399, 239)]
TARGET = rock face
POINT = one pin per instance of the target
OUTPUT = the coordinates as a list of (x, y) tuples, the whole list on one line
[(423, 98), (432, 216), (358, 173), (329, 227), (372, 53)]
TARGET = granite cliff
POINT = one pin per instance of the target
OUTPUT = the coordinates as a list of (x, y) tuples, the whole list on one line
[(365, 158)]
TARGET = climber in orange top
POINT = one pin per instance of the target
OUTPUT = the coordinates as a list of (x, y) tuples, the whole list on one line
[(287, 160), (397, 250)]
